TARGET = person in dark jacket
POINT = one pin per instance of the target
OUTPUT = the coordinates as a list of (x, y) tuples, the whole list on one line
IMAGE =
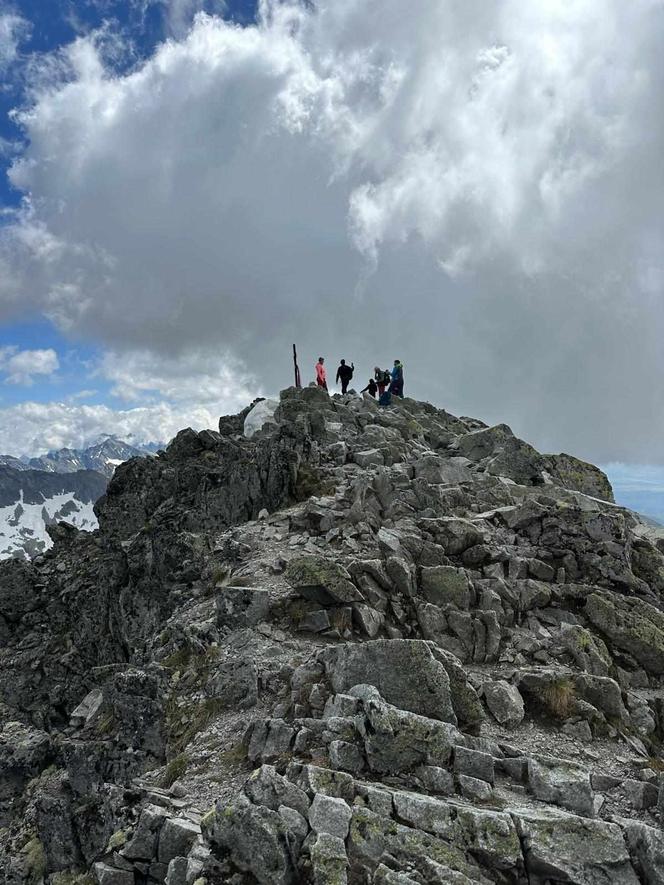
[(371, 388), (396, 385), (344, 374)]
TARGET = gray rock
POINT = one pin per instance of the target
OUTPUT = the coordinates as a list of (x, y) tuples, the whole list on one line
[(578, 729), (368, 458), (89, 707), (632, 625), (234, 682), (432, 622), (603, 693), (338, 784), (474, 763), (503, 454), (296, 823), (566, 848), (515, 767), (266, 786), (404, 671), (589, 652), (108, 875), (255, 838), (375, 797), (465, 701), (270, 739), (341, 705), (435, 779), (143, 844), (177, 872), (561, 782), (397, 741), (646, 847), (385, 876), (329, 860), (239, 607), (329, 815), (368, 620), (374, 838), (401, 575), (504, 702), (455, 535), (572, 473), (176, 838), (474, 788), (424, 813), (346, 756), (24, 752), (321, 580), (444, 585), (639, 794), (314, 622)]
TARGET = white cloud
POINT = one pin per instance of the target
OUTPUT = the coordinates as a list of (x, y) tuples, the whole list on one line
[(204, 377), (21, 366), (180, 13), (12, 29), (471, 186), (162, 396), (32, 428)]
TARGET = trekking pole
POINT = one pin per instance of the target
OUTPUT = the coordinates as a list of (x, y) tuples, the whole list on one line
[(298, 382)]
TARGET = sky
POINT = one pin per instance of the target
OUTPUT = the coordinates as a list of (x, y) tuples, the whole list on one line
[(471, 186)]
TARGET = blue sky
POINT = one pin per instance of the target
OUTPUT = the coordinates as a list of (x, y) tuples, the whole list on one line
[(50, 25), (472, 187)]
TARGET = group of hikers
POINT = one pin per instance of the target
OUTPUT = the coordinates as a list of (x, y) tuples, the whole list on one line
[(385, 382)]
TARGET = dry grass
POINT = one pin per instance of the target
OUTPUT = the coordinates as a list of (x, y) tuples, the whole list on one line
[(174, 770), (558, 697)]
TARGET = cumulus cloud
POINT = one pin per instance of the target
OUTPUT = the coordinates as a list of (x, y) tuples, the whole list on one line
[(473, 187), (32, 428), (180, 13), (21, 366), (159, 396), (195, 376)]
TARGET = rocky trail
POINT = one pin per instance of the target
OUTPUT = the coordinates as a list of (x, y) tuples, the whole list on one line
[(363, 645)]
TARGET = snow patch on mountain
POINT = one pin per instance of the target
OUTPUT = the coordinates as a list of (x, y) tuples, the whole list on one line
[(23, 525)]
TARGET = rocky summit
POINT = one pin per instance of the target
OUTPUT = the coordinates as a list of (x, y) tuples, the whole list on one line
[(353, 645)]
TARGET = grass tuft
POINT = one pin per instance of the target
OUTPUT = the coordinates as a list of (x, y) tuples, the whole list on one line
[(174, 770), (558, 697)]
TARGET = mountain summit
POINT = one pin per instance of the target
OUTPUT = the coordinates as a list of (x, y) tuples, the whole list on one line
[(364, 645)]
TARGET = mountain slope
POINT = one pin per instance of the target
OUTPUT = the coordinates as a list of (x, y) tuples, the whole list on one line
[(363, 646), (15, 463), (31, 500)]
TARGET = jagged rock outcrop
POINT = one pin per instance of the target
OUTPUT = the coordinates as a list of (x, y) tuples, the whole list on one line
[(355, 645)]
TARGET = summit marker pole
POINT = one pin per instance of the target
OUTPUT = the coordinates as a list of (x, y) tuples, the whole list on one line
[(298, 382)]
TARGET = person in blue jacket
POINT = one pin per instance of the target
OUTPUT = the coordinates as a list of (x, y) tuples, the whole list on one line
[(396, 385)]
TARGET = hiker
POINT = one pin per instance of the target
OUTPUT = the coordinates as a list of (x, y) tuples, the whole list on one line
[(371, 388), (396, 384), (382, 378), (321, 374), (385, 398), (344, 374)]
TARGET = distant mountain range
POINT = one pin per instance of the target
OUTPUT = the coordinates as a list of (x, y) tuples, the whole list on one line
[(61, 485), (103, 456)]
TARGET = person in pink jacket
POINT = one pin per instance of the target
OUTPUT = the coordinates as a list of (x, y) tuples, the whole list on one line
[(321, 374)]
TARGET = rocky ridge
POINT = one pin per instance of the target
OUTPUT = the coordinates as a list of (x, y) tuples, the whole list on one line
[(364, 646)]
